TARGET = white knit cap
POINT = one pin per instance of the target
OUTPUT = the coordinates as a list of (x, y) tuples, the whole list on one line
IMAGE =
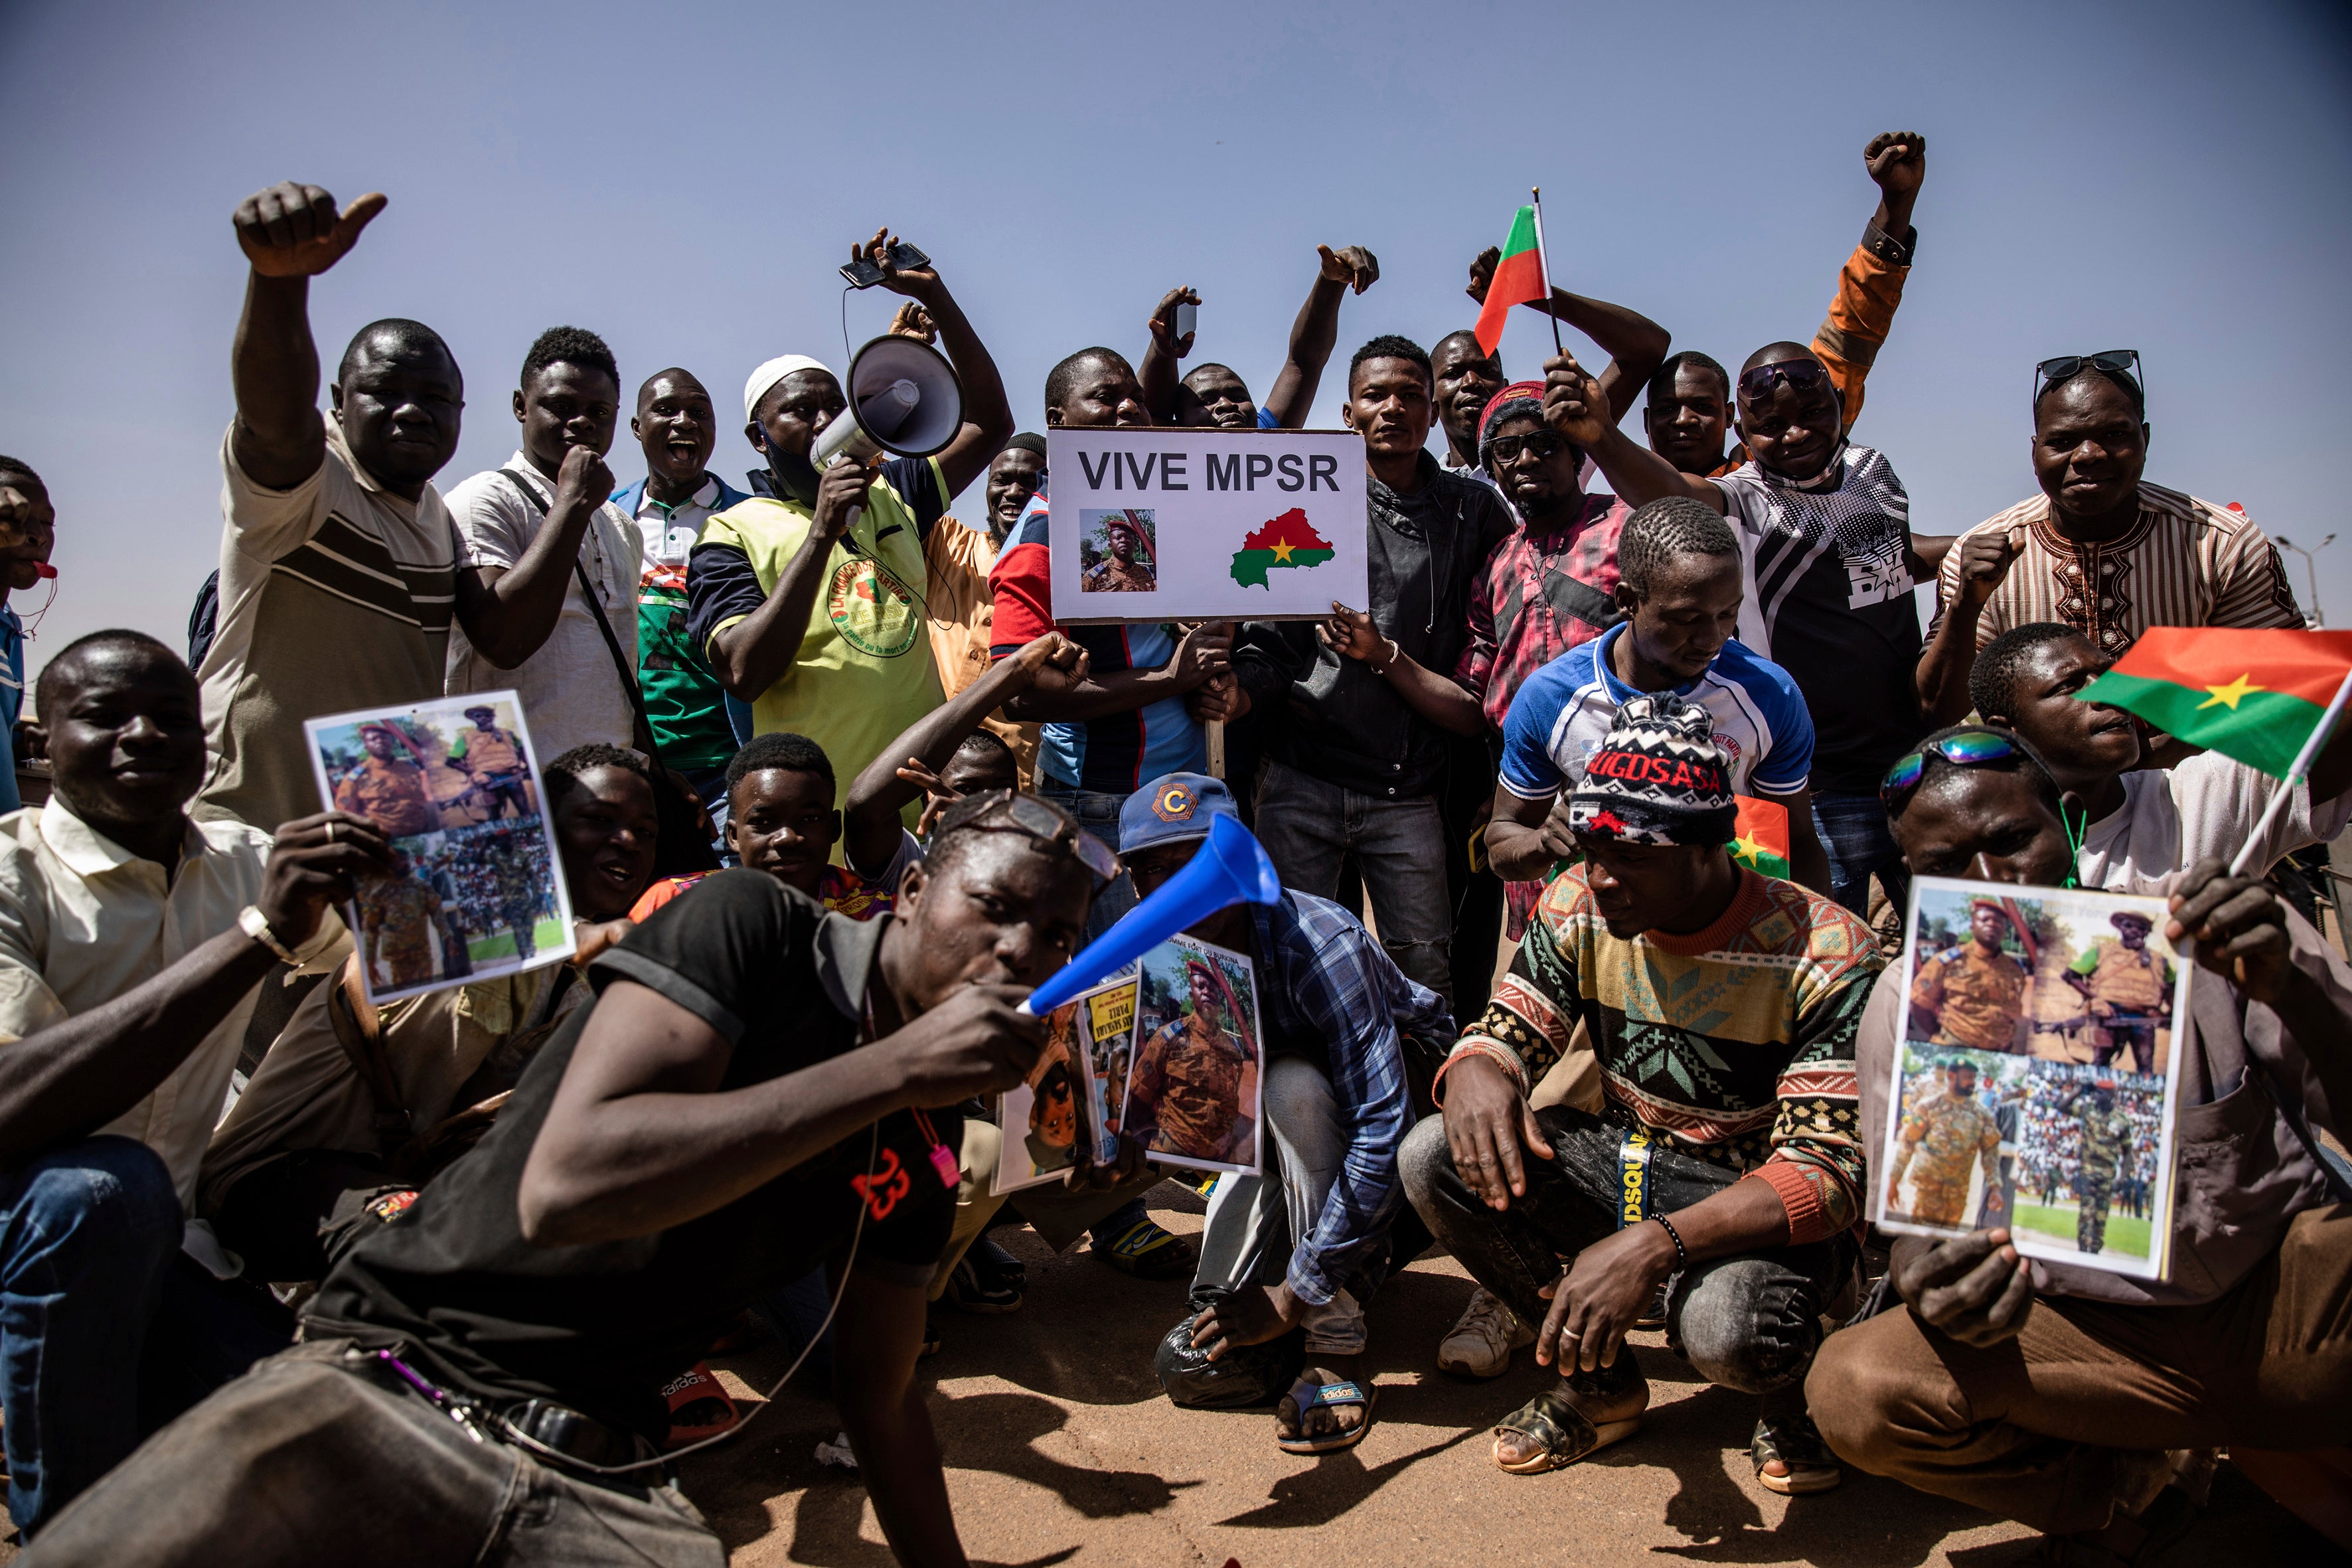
[(763, 380)]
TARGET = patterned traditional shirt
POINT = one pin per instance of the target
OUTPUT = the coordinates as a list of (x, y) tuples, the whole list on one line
[(1329, 992), (1737, 1042), (2184, 562), (1538, 595)]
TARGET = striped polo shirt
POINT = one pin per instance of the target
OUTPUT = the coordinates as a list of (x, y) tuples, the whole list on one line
[(334, 595)]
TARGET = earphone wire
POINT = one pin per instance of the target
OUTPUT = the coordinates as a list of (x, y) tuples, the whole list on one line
[(517, 1436)]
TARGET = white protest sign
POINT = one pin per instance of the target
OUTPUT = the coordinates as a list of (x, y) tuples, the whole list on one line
[(1206, 525)]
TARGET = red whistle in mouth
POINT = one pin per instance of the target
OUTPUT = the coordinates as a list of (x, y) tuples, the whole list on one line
[(42, 569)]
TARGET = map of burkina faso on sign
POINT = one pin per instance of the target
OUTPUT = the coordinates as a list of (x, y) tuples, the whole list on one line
[(1288, 541)]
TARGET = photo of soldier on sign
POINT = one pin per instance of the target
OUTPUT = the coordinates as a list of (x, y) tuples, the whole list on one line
[(453, 784), (2034, 1088), (1120, 551)]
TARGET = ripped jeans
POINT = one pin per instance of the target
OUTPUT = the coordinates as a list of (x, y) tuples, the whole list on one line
[(1750, 1323), (1308, 827)]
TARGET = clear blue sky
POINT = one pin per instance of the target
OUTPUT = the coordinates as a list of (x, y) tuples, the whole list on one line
[(685, 179)]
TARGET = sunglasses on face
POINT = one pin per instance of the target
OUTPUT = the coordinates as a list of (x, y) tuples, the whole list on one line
[(1804, 375), (1009, 810), (1969, 749), (2120, 362), (1538, 445)]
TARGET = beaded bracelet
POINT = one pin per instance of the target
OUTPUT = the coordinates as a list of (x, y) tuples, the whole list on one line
[(1682, 1257)]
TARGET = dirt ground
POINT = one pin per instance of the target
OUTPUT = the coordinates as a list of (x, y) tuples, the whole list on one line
[(1060, 1448)]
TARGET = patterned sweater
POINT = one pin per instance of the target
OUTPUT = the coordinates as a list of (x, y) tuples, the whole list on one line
[(1737, 1042)]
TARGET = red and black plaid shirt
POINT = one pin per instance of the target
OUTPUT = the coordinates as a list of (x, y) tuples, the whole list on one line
[(1518, 623)]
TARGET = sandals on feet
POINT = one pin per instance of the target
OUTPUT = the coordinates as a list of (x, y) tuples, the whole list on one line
[(1797, 1442), (1565, 1432), (1310, 1394), (699, 1408)]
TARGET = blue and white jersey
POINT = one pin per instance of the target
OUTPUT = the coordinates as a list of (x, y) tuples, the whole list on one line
[(1563, 711)]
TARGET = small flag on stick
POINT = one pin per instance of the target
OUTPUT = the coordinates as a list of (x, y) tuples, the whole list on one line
[(1518, 280), (2267, 699)]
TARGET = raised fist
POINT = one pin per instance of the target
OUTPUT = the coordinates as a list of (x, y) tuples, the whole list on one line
[(1897, 161), (295, 231)]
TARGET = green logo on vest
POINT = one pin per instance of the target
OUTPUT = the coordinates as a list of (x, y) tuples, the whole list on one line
[(871, 609)]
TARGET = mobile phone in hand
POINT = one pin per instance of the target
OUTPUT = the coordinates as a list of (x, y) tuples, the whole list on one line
[(906, 258), (862, 273), (1188, 317)]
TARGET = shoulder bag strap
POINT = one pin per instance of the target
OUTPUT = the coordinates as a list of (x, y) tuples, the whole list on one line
[(645, 727), (359, 1029)]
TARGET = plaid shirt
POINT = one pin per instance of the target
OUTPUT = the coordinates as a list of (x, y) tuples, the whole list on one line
[(1327, 987), (1518, 623)]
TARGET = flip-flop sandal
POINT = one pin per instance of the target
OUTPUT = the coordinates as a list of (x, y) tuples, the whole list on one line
[(1327, 1396), (699, 1408), (1566, 1433), (1797, 1442)]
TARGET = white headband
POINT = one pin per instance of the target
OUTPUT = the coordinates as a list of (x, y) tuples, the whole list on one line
[(763, 380)]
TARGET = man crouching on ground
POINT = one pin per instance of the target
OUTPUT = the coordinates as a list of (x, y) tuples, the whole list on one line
[(759, 1088), (1722, 1005)]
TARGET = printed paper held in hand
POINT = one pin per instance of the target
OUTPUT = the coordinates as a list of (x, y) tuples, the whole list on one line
[(1072, 1092), (2035, 1076), (1193, 1089), (455, 784)]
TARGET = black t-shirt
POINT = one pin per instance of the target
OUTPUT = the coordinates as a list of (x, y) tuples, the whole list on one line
[(601, 1327), (1829, 600)]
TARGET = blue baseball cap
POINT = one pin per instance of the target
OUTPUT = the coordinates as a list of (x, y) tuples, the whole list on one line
[(1172, 809)]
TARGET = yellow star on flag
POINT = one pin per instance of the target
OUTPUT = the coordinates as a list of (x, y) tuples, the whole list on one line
[(2230, 695), (1282, 553)]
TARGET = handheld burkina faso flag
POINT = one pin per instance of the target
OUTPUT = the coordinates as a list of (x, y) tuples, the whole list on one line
[(1760, 836), (2267, 699)]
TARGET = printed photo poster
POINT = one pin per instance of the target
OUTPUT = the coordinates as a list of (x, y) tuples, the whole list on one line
[(455, 784), (1206, 525), (1038, 1119), (1105, 1041), (1192, 1092), (2037, 1082)]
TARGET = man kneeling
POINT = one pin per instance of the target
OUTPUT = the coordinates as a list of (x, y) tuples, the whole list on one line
[(758, 1088), (1722, 1005)]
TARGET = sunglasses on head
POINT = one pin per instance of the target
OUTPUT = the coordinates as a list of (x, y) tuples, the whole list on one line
[(1969, 749), (1804, 376), (2123, 364), (1009, 810), (1536, 444)]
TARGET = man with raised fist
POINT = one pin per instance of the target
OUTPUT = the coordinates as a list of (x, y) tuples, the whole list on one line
[(337, 560)]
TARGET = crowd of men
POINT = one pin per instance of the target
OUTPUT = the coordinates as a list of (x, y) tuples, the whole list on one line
[(833, 788)]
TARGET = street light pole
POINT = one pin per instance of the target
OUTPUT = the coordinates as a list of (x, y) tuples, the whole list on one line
[(2310, 571)]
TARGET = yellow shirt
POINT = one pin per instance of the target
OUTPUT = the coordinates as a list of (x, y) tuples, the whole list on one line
[(83, 920), (864, 672)]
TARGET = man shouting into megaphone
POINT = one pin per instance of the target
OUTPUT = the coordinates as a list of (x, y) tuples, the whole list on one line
[(808, 597)]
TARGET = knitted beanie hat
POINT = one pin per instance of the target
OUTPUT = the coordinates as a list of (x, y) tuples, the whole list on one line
[(1658, 778)]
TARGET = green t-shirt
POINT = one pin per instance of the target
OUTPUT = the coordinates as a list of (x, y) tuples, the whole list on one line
[(683, 698)]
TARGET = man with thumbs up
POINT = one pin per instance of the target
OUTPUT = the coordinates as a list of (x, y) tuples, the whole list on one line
[(2100, 548), (338, 571)]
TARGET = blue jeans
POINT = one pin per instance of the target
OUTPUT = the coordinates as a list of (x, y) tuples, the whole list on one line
[(1097, 813), (1852, 828), (89, 1233)]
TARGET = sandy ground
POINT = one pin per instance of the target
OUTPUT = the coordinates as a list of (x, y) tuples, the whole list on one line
[(1060, 1448)]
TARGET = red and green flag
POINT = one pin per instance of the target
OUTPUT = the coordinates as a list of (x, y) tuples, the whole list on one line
[(1760, 836), (1518, 280), (2255, 695), (1285, 541)]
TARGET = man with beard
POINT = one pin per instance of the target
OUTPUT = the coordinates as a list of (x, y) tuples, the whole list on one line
[(1186, 1099), (2127, 989), (1214, 395), (1128, 568), (387, 786)]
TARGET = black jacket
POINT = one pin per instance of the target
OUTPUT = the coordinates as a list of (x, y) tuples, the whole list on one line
[(1329, 716)]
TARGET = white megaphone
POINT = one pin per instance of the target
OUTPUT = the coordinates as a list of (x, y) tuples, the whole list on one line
[(904, 398)]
